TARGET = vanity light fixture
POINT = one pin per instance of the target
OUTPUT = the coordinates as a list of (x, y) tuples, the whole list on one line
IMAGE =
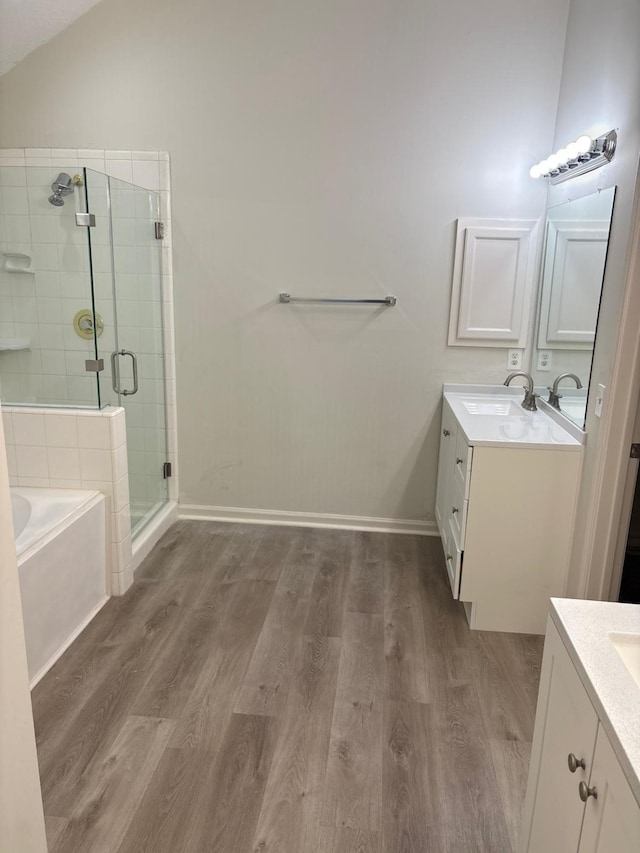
[(576, 158)]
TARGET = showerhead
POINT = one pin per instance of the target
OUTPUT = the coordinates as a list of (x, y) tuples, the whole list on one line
[(62, 186)]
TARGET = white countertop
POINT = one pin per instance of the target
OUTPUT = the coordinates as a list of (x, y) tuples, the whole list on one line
[(585, 627), (514, 427)]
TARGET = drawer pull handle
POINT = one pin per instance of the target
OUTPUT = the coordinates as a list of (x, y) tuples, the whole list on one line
[(459, 461), (585, 792), (574, 763), (446, 433), (454, 509)]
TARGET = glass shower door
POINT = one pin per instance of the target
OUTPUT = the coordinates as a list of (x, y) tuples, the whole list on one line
[(134, 358)]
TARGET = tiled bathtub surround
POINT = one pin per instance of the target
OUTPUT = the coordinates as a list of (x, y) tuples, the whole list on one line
[(39, 304), (72, 449)]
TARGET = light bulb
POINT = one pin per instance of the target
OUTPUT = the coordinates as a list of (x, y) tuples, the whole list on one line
[(535, 171), (543, 165), (553, 162), (584, 144), (572, 150), (563, 156)]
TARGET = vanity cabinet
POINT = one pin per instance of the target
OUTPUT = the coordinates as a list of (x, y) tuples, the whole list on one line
[(571, 750), (505, 512)]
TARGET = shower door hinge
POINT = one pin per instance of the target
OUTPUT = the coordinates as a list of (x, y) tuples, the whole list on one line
[(166, 470), (159, 230), (94, 365), (86, 220), (635, 451)]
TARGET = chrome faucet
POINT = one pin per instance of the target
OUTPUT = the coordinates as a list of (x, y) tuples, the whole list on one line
[(554, 397), (529, 402)]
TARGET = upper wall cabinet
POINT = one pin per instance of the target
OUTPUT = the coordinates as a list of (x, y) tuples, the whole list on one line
[(493, 279)]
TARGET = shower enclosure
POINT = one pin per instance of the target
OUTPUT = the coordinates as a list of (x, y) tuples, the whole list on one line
[(81, 308)]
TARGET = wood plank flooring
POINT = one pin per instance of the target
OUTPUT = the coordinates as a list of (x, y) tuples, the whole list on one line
[(284, 690)]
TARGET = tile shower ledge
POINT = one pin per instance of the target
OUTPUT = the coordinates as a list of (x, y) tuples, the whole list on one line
[(586, 628), (545, 429)]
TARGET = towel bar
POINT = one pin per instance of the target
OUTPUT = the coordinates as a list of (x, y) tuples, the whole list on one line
[(388, 300)]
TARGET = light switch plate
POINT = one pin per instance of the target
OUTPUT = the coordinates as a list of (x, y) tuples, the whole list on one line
[(599, 401), (514, 359)]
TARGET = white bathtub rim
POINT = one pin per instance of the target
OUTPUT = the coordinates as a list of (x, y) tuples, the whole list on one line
[(89, 499), (63, 648)]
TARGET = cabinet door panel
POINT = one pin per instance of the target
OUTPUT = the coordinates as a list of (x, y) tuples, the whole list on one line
[(612, 821), (569, 724)]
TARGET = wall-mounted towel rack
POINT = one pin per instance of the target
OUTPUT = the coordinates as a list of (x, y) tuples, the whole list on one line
[(388, 300)]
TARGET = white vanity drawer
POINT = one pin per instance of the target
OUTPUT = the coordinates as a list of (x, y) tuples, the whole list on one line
[(458, 514), (462, 463), (453, 561)]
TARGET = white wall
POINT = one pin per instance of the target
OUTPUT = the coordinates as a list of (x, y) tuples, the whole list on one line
[(606, 40), (21, 815), (322, 148)]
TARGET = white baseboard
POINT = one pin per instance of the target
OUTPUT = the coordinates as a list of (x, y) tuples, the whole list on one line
[(306, 519), (157, 527)]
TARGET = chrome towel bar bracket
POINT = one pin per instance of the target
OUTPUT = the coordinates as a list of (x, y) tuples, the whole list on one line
[(388, 300)]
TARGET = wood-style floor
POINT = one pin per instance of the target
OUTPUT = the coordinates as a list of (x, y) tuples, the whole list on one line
[(286, 689)]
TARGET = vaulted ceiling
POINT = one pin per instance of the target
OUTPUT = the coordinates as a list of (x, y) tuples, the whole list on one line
[(27, 24)]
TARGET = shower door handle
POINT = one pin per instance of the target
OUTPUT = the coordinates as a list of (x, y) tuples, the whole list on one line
[(115, 372)]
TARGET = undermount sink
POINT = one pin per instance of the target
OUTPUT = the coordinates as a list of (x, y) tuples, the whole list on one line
[(628, 647), (501, 408)]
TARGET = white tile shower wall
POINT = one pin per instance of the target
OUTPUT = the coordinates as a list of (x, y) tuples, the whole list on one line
[(73, 449), (45, 279), (53, 369)]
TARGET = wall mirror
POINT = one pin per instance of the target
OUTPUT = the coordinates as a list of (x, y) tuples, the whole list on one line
[(573, 263)]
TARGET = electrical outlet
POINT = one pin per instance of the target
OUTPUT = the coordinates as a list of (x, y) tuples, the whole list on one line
[(544, 359), (599, 401), (514, 359)]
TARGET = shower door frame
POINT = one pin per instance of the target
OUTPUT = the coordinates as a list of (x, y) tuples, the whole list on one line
[(114, 357)]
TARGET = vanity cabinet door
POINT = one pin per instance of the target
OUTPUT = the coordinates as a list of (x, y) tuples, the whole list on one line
[(612, 820), (446, 463), (566, 723)]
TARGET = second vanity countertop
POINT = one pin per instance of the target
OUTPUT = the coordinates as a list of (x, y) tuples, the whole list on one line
[(491, 415), (587, 629)]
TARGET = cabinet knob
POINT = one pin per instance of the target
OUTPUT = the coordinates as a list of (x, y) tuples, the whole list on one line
[(446, 432), (574, 762), (454, 509), (459, 461), (585, 792), (449, 557)]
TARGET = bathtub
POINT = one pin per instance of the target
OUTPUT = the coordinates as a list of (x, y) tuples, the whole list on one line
[(61, 550)]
